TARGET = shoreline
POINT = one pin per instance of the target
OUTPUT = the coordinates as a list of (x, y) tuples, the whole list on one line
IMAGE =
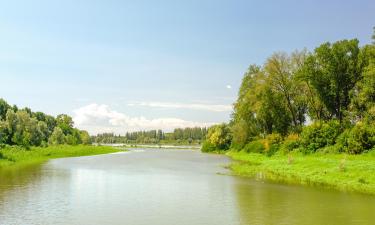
[(347, 173), (16, 157)]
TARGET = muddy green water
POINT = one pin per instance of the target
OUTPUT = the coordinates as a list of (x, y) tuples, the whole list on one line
[(162, 187)]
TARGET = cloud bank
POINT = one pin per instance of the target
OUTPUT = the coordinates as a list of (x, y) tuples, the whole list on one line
[(97, 118), (206, 107)]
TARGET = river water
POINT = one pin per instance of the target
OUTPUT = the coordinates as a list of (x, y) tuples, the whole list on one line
[(162, 187)]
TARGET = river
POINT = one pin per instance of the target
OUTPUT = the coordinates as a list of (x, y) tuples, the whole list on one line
[(162, 187)]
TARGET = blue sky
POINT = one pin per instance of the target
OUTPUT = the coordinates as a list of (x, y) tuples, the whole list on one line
[(128, 65)]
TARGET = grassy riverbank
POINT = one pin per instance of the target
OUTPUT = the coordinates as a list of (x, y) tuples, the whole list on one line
[(17, 156), (337, 171)]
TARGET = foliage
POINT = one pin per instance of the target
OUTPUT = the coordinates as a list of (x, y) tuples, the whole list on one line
[(218, 138), (290, 143), (313, 95), (358, 139), (208, 147), (26, 128), (57, 137), (187, 135), (254, 146), (333, 70), (320, 134), (363, 94)]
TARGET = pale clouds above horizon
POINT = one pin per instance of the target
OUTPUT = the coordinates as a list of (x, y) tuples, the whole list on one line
[(192, 106), (97, 118)]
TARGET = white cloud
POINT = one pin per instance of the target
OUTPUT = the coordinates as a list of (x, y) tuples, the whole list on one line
[(229, 86), (100, 118), (206, 107)]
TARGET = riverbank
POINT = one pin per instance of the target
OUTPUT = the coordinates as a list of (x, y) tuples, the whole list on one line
[(13, 156), (353, 173)]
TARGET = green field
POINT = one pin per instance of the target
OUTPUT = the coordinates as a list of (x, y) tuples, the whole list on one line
[(353, 173), (16, 156)]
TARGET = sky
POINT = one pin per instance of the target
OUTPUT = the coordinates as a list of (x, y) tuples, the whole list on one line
[(118, 66)]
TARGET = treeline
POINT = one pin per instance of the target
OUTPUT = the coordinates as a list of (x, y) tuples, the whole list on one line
[(26, 128), (307, 101), (188, 135)]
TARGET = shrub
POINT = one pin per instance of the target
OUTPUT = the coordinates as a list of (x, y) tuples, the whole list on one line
[(218, 138), (319, 135), (273, 138), (272, 149), (208, 147), (358, 139), (272, 143), (290, 143), (254, 146)]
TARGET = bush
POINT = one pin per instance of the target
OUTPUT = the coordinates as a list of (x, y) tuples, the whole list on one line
[(319, 135), (272, 139), (272, 149), (218, 138), (358, 139), (272, 143), (254, 146), (208, 147), (290, 143)]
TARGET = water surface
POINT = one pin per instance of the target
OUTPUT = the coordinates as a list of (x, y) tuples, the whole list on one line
[(162, 187)]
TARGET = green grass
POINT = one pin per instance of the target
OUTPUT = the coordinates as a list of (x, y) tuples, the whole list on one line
[(13, 156), (354, 173)]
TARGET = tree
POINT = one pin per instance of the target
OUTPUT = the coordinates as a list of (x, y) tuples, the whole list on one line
[(333, 70), (218, 138), (245, 124), (281, 70), (363, 94), (4, 106), (23, 129), (85, 137), (261, 108), (57, 137), (3, 132), (66, 123)]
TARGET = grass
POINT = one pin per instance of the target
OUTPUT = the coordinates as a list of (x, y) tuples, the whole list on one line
[(13, 156), (353, 173)]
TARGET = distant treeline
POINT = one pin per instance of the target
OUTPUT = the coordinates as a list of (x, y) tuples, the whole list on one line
[(188, 135), (26, 128), (319, 101)]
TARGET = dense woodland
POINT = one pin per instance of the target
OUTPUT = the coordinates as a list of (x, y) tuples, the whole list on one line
[(188, 135), (319, 101), (26, 128)]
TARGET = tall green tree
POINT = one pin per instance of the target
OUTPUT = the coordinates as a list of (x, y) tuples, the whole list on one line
[(363, 94), (23, 129), (4, 106), (219, 137), (4, 135), (333, 70), (65, 123), (281, 70), (57, 137)]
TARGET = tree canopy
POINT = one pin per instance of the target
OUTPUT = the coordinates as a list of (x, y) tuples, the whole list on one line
[(27, 128), (311, 100)]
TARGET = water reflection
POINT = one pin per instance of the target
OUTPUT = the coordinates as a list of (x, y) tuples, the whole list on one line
[(266, 203)]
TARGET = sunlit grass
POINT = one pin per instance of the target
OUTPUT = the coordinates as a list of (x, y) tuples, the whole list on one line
[(337, 171), (17, 156)]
